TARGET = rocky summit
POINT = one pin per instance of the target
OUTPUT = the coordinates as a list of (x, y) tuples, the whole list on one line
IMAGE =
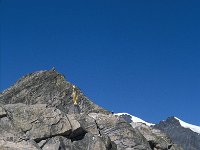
[(39, 113)]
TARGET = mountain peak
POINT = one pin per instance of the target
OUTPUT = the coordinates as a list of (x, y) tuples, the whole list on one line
[(51, 88), (39, 112), (130, 118), (190, 126), (174, 121), (182, 133)]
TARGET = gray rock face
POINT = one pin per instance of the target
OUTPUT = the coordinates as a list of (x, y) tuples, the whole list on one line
[(39, 127), (38, 113), (119, 131), (157, 139), (12, 138), (185, 137), (2, 112), (48, 87), (23, 145), (37, 121), (89, 142)]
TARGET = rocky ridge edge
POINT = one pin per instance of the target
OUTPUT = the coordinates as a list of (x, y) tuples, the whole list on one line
[(38, 113)]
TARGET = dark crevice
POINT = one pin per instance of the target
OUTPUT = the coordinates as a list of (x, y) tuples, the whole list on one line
[(4, 115), (152, 144), (44, 143), (169, 146), (35, 144), (62, 145), (98, 128), (66, 134), (37, 140), (112, 146), (78, 137)]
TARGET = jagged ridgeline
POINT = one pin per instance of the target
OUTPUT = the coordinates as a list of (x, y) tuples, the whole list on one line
[(51, 88), (43, 111)]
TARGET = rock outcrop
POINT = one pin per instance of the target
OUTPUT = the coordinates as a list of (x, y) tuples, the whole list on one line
[(37, 113), (50, 88), (155, 137)]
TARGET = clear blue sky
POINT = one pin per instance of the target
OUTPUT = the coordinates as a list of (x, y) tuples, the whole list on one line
[(140, 57)]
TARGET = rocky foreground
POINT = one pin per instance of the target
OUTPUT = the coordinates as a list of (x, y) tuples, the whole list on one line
[(38, 113)]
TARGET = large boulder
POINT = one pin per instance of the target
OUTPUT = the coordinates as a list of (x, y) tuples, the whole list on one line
[(11, 138), (89, 142), (119, 131), (37, 121), (25, 126)]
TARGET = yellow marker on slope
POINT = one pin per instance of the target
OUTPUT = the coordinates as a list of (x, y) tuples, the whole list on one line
[(75, 96)]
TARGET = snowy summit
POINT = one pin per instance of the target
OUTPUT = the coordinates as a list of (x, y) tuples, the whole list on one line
[(190, 126), (134, 119)]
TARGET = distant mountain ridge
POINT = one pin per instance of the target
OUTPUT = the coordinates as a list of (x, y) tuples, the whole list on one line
[(131, 118), (182, 133), (189, 126)]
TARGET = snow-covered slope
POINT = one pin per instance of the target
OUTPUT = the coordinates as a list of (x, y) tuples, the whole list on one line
[(134, 119), (190, 126), (182, 123)]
